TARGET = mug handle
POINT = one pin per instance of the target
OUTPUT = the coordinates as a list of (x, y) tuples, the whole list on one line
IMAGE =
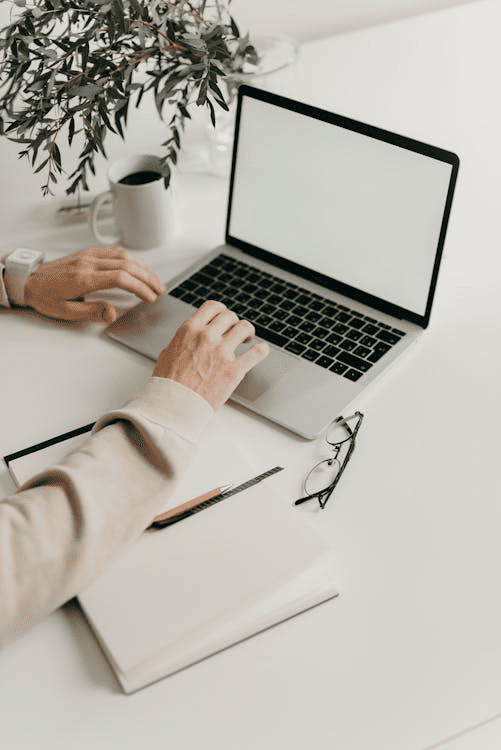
[(95, 208)]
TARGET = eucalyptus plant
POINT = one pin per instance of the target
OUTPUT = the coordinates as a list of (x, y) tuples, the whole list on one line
[(70, 70)]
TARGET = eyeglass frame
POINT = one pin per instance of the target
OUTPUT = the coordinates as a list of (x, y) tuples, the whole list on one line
[(324, 494)]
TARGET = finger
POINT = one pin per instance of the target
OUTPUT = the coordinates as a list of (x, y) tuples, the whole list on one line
[(206, 313), (98, 311), (253, 356), (119, 279), (221, 324), (135, 268), (106, 252), (240, 333), (119, 255)]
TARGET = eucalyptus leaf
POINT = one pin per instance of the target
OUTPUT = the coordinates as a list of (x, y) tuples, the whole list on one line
[(73, 66)]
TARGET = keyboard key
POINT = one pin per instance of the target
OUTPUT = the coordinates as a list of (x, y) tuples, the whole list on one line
[(274, 299), (290, 332), (340, 328), (350, 359), (352, 374), (307, 326), (388, 336), (343, 317), (347, 345), (331, 351), (330, 310), (324, 361), (201, 278), (368, 341), (210, 270), (317, 344), (267, 309), (320, 333), (354, 335), (261, 293), (271, 336), (370, 329), (338, 368), (362, 351), (278, 288), (303, 299), (277, 325), (243, 297), (304, 338), (316, 305), (334, 338), (381, 347), (357, 323), (239, 309), (311, 355), (313, 316), (295, 348), (280, 314)]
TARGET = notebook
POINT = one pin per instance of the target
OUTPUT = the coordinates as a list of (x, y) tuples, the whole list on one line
[(334, 236), (222, 575)]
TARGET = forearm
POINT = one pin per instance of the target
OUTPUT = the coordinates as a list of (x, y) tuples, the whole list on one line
[(69, 523)]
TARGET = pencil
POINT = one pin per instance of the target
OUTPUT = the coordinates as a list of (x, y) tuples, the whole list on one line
[(164, 518)]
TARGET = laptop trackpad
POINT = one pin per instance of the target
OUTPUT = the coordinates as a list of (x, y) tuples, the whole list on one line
[(265, 374)]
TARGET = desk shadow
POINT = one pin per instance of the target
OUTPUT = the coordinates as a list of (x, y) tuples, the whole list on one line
[(90, 654)]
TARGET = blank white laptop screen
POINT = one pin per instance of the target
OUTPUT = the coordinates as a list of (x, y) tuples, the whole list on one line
[(374, 225)]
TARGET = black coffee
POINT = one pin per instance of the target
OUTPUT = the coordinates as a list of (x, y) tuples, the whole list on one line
[(140, 178)]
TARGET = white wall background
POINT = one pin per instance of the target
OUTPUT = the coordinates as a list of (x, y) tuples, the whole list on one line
[(312, 19)]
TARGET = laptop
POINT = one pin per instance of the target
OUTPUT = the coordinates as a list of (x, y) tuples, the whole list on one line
[(334, 236)]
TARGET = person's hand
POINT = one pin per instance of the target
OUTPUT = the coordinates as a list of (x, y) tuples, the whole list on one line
[(57, 288), (202, 356)]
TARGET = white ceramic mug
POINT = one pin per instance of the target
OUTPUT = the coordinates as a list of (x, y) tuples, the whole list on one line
[(141, 205)]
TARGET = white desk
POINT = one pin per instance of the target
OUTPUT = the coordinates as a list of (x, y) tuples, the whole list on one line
[(410, 654)]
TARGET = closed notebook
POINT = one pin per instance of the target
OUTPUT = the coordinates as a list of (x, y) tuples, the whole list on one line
[(185, 592)]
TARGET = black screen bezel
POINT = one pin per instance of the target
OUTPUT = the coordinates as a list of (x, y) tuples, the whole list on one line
[(372, 131)]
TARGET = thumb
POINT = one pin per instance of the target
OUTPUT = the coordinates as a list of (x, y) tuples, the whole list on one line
[(103, 312)]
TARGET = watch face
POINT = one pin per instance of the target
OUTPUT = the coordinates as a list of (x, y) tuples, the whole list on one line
[(24, 255)]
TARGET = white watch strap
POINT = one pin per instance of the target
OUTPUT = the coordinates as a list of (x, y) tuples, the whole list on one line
[(4, 297), (19, 265)]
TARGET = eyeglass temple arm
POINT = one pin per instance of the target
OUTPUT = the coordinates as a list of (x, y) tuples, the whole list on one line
[(330, 489)]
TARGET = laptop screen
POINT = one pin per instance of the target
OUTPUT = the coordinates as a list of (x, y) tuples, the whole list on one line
[(356, 208)]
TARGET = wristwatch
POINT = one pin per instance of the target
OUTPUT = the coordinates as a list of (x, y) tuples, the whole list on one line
[(19, 265)]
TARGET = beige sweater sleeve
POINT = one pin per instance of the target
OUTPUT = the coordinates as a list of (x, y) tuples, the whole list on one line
[(64, 526)]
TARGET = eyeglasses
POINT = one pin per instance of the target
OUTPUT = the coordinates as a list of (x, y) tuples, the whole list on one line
[(322, 480)]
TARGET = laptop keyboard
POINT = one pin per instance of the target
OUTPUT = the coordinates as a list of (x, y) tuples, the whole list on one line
[(329, 334)]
